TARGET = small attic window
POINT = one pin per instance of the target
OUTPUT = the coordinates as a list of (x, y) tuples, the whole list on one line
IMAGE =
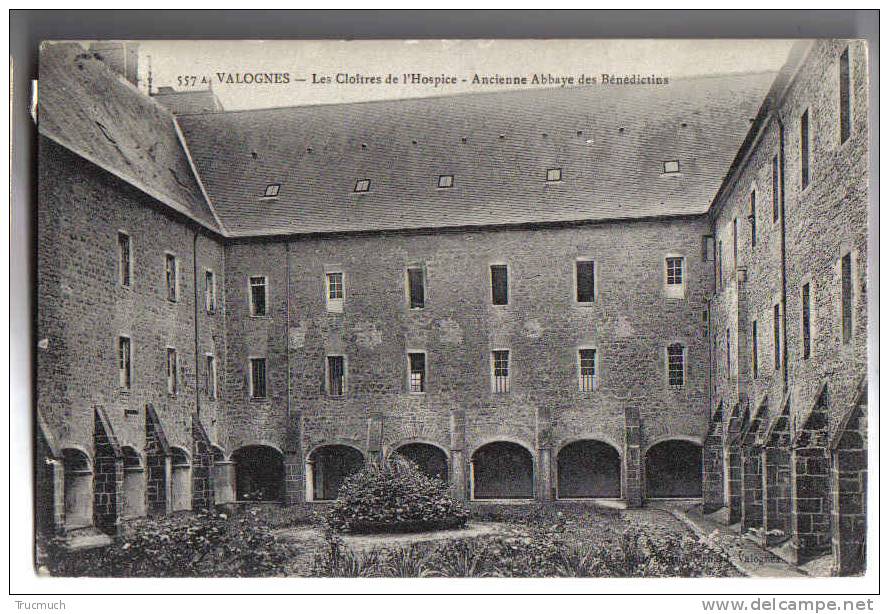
[(272, 189), (671, 167), (553, 174), (362, 185), (446, 181)]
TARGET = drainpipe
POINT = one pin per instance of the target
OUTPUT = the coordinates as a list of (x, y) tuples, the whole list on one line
[(197, 362), (287, 332), (781, 163), (710, 357)]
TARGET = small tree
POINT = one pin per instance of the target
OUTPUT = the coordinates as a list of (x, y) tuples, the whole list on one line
[(393, 496)]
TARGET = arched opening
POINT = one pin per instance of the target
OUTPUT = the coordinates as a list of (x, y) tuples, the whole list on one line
[(180, 483), (502, 470), (431, 460), (78, 489), (673, 470), (327, 468), (133, 484), (588, 469), (259, 473)]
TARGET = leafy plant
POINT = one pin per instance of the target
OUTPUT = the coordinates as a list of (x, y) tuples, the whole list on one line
[(201, 544), (394, 496)]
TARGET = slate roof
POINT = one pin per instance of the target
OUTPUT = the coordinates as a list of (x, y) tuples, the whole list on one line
[(611, 143), (87, 108)]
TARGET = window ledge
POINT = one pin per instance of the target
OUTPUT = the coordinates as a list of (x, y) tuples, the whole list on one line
[(258, 399), (260, 317)]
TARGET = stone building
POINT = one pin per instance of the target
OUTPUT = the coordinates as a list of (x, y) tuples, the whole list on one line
[(528, 293)]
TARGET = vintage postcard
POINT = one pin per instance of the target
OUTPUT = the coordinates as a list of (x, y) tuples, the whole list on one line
[(477, 308)]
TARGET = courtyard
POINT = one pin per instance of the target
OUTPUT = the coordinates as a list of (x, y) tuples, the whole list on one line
[(578, 539)]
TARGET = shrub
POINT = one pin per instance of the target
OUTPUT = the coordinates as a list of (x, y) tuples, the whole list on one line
[(188, 545), (394, 496)]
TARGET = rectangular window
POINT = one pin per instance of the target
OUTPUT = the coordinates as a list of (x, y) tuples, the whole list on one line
[(674, 271), (719, 267), (753, 218), (124, 259), (554, 174), (445, 181), (776, 334), (172, 277), (671, 166), (336, 376), (676, 365), (362, 185), (846, 296), (585, 280), (728, 352), (417, 372), (499, 284), (500, 371), (804, 149), (707, 250), (586, 359), (210, 291), (845, 97), (806, 321), (257, 378), (272, 189), (416, 287), (172, 372), (210, 377), (755, 351), (335, 291), (775, 187), (258, 296), (735, 244), (124, 362)]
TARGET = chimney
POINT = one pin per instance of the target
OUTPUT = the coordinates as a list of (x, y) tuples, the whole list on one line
[(121, 57)]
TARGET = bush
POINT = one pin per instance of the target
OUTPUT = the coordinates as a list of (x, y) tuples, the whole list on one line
[(187, 545), (394, 496)]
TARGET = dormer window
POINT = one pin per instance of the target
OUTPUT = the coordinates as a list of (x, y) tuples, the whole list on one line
[(671, 167), (272, 189), (445, 181), (553, 174), (362, 185)]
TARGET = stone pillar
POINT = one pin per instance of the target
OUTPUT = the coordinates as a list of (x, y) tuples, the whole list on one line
[(811, 487), (107, 479), (633, 458), (58, 495), (294, 480), (202, 494), (545, 489), (776, 494), (734, 482), (751, 501), (375, 437), (460, 486), (714, 467), (849, 490)]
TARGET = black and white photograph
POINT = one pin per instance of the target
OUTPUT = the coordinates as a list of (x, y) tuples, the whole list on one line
[(452, 309)]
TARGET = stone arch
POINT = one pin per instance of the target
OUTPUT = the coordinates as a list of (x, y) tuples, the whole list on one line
[(327, 467), (180, 479), (133, 483), (588, 468), (78, 491), (432, 459), (259, 473), (502, 470), (673, 469)]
